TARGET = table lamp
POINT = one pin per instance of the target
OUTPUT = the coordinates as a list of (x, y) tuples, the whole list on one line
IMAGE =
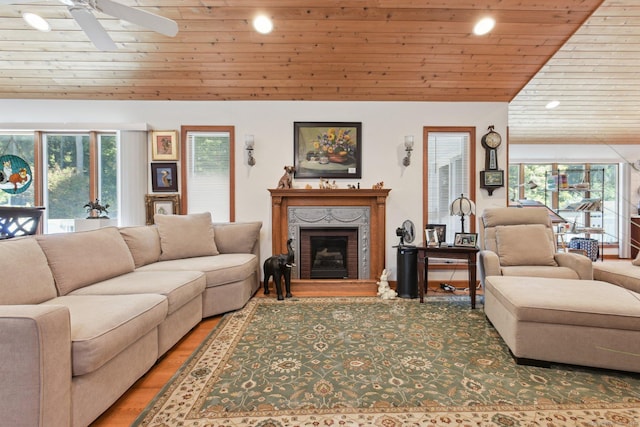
[(462, 206)]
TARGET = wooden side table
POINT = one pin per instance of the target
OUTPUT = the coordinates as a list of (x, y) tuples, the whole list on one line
[(448, 252)]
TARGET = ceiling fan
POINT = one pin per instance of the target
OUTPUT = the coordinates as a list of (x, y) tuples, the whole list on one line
[(82, 12)]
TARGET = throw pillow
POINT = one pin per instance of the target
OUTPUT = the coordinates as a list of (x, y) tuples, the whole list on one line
[(525, 245), (185, 236), (237, 237), (143, 242)]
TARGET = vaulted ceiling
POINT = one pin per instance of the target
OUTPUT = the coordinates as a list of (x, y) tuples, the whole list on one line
[(356, 50)]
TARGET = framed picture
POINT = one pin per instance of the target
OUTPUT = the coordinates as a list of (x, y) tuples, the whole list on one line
[(441, 230), (327, 149), (165, 204), (467, 240), (492, 178), (164, 145), (164, 177)]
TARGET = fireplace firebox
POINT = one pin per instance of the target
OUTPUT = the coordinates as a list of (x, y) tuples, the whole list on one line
[(328, 253)]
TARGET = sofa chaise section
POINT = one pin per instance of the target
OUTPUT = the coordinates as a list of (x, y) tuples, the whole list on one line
[(572, 321)]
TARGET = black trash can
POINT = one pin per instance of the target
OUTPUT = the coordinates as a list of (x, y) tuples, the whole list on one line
[(407, 263)]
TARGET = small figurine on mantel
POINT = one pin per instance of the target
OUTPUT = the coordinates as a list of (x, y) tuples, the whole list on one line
[(384, 290), (286, 181), (378, 186)]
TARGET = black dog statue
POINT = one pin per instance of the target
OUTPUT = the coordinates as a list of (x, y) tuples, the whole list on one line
[(279, 266)]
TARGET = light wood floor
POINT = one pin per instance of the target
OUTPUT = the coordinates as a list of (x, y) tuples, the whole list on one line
[(132, 403)]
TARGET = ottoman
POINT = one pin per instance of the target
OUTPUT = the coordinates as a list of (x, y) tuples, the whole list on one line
[(578, 322)]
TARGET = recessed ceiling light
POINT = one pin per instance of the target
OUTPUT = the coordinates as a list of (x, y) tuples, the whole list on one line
[(262, 24), (552, 104), (484, 26), (36, 21)]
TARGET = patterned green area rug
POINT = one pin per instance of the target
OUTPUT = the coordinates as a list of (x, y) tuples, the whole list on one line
[(368, 362)]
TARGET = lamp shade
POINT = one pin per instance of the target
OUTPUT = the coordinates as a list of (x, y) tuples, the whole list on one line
[(462, 206)]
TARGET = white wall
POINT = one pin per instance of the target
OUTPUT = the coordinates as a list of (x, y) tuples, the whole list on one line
[(384, 125)]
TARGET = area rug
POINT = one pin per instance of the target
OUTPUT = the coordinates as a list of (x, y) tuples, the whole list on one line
[(368, 362)]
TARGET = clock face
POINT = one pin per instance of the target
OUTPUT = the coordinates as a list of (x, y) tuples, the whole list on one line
[(492, 139)]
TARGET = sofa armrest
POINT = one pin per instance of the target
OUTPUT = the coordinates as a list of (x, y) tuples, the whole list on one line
[(238, 237), (489, 265), (579, 263), (35, 373)]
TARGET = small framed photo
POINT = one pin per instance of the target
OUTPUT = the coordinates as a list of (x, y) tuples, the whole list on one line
[(165, 204), (466, 240), (164, 145), (493, 178), (441, 231), (164, 177)]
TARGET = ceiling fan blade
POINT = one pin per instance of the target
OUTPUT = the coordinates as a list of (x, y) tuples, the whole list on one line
[(149, 20), (8, 2), (90, 25)]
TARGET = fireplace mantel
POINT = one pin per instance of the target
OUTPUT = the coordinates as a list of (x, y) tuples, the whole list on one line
[(375, 200)]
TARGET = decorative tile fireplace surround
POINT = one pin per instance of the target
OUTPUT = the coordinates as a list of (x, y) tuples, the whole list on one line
[(344, 210)]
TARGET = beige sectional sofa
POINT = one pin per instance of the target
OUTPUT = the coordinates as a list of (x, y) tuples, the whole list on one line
[(84, 315)]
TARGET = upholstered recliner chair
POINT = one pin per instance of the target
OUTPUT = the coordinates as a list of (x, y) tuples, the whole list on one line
[(521, 242)]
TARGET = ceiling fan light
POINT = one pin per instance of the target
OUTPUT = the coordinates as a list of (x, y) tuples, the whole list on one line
[(483, 26), (552, 104), (36, 21), (262, 24)]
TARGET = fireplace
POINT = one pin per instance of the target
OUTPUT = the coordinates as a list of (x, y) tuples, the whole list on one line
[(328, 253), (362, 211)]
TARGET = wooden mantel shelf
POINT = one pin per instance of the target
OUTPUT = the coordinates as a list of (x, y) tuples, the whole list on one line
[(282, 199)]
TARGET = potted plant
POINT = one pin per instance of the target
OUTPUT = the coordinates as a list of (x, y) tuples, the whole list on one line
[(96, 210)]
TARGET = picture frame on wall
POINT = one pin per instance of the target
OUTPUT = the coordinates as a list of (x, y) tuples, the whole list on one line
[(164, 204), (164, 145), (327, 149), (164, 177)]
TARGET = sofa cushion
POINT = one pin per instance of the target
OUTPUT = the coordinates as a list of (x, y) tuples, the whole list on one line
[(621, 273), (25, 274), (83, 258), (143, 242), (527, 244), (219, 270), (237, 237), (179, 287), (185, 236), (102, 326)]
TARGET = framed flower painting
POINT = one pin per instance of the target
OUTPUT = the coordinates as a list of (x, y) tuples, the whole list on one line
[(327, 149)]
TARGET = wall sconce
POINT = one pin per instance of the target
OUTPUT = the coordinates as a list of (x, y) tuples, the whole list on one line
[(408, 147), (249, 144)]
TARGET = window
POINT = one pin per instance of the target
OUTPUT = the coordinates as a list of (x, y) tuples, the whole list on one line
[(68, 169), (520, 174), (208, 183), (66, 185), (448, 174)]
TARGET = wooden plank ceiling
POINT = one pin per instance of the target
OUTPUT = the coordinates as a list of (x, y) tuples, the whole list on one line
[(595, 77), (356, 50)]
